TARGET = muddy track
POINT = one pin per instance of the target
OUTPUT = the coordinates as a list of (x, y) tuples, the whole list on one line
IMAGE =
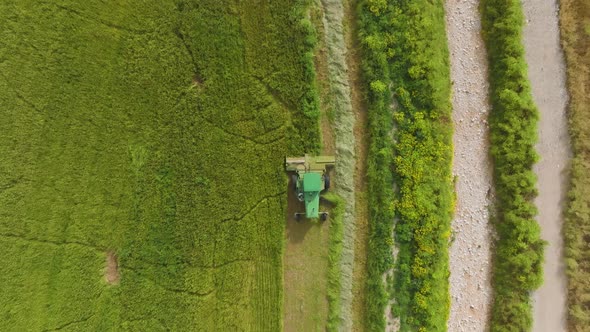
[(547, 75), (470, 253)]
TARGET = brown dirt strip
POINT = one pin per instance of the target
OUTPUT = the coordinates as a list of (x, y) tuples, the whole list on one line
[(112, 275), (547, 75), (305, 270)]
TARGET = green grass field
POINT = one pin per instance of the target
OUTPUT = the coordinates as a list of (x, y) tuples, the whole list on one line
[(127, 127)]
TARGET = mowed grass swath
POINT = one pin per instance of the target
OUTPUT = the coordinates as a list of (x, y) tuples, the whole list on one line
[(405, 53), (156, 131)]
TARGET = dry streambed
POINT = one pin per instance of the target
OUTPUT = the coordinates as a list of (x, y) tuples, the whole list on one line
[(470, 251), (547, 75)]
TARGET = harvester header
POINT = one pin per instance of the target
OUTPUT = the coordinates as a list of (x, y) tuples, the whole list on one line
[(309, 179)]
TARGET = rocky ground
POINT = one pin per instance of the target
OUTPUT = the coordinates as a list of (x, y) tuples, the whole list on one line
[(470, 259)]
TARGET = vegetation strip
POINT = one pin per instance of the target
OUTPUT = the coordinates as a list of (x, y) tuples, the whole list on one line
[(343, 125), (405, 50), (517, 268), (575, 36), (334, 260)]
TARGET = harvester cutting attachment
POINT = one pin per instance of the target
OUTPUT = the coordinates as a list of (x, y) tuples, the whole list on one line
[(309, 179)]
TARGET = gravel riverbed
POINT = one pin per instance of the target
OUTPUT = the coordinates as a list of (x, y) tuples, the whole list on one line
[(470, 255)]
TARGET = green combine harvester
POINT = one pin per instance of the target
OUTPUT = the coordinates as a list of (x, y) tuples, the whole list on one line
[(310, 178)]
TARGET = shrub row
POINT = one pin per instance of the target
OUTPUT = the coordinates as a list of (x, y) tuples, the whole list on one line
[(405, 51), (517, 268), (375, 72), (575, 33)]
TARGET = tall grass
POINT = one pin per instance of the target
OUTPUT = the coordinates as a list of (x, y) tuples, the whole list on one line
[(575, 35), (405, 52), (517, 268)]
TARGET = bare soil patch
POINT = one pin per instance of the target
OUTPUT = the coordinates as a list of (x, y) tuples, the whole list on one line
[(112, 275)]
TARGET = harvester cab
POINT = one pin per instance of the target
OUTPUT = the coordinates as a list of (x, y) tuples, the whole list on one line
[(309, 179)]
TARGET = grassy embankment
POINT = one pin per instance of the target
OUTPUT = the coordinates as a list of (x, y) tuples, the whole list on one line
[(517, 268), (575, 35), (158, 132), (405, 53)]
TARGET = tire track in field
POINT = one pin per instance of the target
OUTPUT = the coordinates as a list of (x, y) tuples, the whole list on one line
[(61, 327), (98, 19), (470, 253), (51, 242), (546, 69)]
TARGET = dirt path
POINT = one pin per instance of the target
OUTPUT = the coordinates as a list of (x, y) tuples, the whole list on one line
[(547, 76), (470, 251), (305, 270)]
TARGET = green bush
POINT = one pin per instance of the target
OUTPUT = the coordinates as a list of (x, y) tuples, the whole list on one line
[(405, 49), (379, 175), (517, 268)]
